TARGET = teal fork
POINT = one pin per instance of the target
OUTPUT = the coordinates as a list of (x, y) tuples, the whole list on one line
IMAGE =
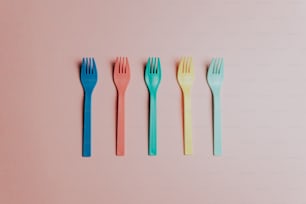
[(89, 79), (215, 77), (152, 79)]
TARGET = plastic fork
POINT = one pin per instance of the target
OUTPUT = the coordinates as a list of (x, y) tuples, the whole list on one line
[(89, 79), (152, 78), (121, 78), (215, 78), (185, 76)]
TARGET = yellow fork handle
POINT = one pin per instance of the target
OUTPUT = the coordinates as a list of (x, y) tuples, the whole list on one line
[(187, 123)]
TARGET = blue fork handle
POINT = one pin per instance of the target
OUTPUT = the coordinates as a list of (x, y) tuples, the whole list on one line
[(152, 126), (87, 126), (217, 125)]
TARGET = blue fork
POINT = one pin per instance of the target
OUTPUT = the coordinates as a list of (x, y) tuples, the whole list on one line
[(89, 79)]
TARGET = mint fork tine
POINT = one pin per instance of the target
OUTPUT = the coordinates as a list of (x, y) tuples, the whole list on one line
[(211, 66), (222, 67), (216, 66)]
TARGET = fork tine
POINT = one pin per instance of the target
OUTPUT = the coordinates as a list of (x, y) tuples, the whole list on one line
[(158, 66), (221, 67), (123, 65), (180, 68), (151, 62), (94, 66), (211, 66), (127, 69), (116, 68), (83, 67), (151, 59), (188, 65), (153, 65), (185, 65), (119, 65), (87, 65), (217, 66), (147, 70), (91, 65)]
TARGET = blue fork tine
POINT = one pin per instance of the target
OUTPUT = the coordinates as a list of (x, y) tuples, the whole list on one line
[(94, 70)]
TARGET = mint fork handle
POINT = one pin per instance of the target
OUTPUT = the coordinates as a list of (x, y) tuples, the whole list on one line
[(87, 126), (217, 125), (152, 126)]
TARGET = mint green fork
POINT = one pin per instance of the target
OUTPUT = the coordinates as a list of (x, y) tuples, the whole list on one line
[(152, 78), (215, 78)]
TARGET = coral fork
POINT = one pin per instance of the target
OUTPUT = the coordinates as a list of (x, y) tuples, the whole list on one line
[(122, 75)]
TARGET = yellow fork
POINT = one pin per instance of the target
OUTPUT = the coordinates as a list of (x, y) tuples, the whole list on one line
[(185, 76)]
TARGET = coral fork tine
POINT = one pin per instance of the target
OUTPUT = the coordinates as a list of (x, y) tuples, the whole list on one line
[(121, 79)]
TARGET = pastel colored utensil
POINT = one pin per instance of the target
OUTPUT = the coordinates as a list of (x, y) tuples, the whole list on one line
[(215, 78), (185, 76), (89, 79), (122, 77), (152, 78)]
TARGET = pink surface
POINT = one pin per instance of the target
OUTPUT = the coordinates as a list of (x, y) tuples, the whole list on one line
[(264, 113)]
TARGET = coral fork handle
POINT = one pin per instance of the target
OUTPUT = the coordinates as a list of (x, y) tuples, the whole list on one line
[(120, 143)]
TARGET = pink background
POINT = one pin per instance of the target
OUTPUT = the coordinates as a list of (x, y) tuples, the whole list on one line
[(263, 43)]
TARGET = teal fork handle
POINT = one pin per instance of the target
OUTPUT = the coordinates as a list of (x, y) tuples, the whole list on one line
[(217, 126), (87, 126), (152, 126)]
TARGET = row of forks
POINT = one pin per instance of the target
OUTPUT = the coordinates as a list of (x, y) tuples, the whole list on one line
[(153, 74)]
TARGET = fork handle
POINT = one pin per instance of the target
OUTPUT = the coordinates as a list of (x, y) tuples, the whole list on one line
[(217, 125), (187, 123), (120, 125), (87, 126), (152, 126)]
